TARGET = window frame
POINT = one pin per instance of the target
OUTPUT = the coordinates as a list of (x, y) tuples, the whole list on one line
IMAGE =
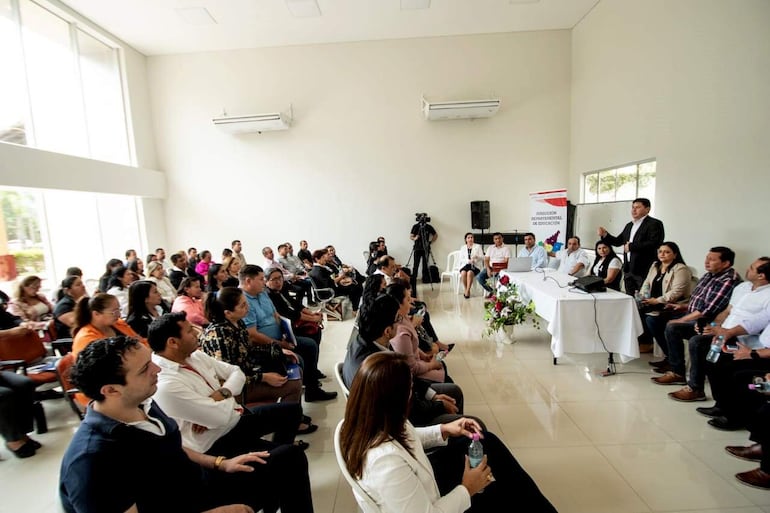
[(597, 172)]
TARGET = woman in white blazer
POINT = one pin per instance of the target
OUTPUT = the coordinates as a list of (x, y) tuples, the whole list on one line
[(385, 453), (469, 263)]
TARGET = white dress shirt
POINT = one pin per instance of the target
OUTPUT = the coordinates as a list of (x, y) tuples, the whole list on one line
[(476, 259), (184, 395), (538, 254), (746, 303), (568, 261)]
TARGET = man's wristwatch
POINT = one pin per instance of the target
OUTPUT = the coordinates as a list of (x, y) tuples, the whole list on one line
[(225, 393)]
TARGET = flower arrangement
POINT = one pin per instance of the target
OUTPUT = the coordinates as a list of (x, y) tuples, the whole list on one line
[(505, 307)]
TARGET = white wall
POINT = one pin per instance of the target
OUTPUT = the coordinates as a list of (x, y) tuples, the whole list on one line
[(360, 160), (684, 82)]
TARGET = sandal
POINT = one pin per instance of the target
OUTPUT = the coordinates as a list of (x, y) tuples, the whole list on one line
[(311, 428)]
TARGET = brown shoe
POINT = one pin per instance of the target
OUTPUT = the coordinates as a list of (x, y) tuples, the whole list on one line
[(669, 378), (688, 395), (646, 348), (750, 453), (756, 478), (662, 368)]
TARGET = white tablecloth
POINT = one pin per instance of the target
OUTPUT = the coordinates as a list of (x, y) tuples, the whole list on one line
[(570, 315)]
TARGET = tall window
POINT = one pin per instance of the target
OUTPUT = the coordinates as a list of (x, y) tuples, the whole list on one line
[(62, 88), (620, 183)]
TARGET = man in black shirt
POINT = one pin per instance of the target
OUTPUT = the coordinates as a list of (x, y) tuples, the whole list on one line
[(423, 234)]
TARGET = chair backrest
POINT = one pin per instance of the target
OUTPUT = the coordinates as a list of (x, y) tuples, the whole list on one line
[(321, 295), (451, 261), (365, 502), (338, 375), (28, 347), (63, 367)]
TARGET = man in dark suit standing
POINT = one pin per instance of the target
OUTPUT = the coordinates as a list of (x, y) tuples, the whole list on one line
[(640, 240)]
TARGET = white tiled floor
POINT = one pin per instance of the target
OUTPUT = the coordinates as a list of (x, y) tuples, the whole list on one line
[(592, 444)]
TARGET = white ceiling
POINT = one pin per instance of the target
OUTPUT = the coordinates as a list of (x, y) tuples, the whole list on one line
[(155, 28)]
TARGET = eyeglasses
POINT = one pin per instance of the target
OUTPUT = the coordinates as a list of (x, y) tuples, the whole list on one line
[(276, 278), (115, 312)]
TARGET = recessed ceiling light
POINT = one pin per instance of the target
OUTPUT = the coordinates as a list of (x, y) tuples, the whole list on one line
[(414, 4), (196, 15), (303, 8)]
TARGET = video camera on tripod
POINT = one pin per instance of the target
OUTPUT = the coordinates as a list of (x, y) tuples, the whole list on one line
[(422, 218)]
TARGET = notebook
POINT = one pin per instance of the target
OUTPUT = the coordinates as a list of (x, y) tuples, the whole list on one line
[(519, 265)]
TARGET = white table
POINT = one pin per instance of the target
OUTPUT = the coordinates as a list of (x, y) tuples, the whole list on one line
[(570, 314)]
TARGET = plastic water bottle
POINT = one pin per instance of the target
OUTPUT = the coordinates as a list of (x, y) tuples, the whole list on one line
[(760, 385), (716, 350), (475, 451), (440, 356)]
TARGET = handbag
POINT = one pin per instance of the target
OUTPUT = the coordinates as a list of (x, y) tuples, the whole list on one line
[(307, 328)]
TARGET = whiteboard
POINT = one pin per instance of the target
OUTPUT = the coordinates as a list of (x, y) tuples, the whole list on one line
[(590, 216)]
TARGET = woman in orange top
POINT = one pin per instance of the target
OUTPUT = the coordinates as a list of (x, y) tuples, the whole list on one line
[(97, 318)]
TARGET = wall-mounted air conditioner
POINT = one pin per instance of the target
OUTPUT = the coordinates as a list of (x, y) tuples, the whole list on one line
[(250, 124), (465, 109)]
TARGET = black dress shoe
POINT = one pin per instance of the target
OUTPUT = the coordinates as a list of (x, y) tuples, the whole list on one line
[(306, 419), (712, 411), (318, 394), (725, 424), (37, 445), (320, 375), (664, 361), (311, 428)]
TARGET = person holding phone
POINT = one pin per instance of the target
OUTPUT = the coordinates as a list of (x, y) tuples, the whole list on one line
[(748, 299)]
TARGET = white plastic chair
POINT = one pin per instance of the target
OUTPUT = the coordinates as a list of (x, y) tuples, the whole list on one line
[(451, 272), (364, 500), (338, 375)]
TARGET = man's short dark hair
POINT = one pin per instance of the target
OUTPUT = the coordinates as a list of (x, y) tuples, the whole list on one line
[(374, 319), (163, 328), (129, 252), (176, 257), (75, 271), (319, 253), (233, 243), (496, 234), (101, 363), (764, 268), (281, 246), (530, 234), (725, 254), (384, 261), (249, 271), (159, 249), (574, 237), (191, 249), (644, 201)]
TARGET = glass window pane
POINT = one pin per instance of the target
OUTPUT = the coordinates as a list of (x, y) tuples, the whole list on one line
[(607, 185), (13, 90), (103, 97), (21, 243), (591, 188), (647, 180), (626, 183), (54, 90)]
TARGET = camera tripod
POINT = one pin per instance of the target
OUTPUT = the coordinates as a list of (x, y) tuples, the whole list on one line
[(427, 254)]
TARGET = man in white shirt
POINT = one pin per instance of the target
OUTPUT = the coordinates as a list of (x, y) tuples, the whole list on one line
[(495, 260), (530, 249), (573, 259), (386, 266), (298, 284), (198, 392), (748, 300), (293, 264)]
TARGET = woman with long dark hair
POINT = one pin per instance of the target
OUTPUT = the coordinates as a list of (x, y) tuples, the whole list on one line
[(304, 322), (189, 300), (143, 306), (119, 281), (226, 338), (607, 265), (104, 279), (32, 306), (469, 263), (668, 281), (385, 453), (215, 278), (72, 289), (406, 341)]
